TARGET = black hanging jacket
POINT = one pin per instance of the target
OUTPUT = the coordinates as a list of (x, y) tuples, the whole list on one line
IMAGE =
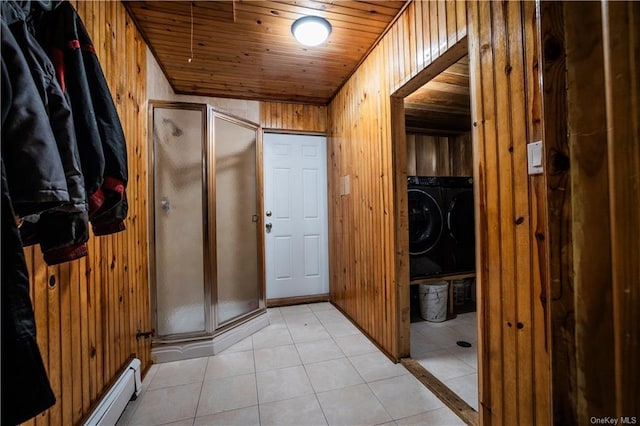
[(99, 133), (28, 146), (62, 232), (25, 387), (34, 170)]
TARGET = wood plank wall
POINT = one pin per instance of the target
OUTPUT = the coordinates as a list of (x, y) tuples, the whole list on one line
[(512, 268), (439, 155), (556, 145), (89, 310), (621, 31), (511, 224), (589, 220), (362, 234), (591, 138), (293, 117), (533, 239)]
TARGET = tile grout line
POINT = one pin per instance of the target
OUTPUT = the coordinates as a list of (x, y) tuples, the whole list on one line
[(331, 338), (255, 376), (360, 375), (195, 414), (304, 366), (139, 402)]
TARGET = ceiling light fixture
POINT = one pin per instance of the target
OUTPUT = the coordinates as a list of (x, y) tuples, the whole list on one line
[(311, 30)]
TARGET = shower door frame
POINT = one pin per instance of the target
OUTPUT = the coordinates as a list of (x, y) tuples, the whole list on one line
[(212, 114), (212, 327)]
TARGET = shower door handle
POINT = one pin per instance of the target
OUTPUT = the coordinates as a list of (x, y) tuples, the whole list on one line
[(165, 204)]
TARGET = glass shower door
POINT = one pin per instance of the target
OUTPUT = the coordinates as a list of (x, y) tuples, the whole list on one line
[(182, 291), (239, 277), (207, 263)]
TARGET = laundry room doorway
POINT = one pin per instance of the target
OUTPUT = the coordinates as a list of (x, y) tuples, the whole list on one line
[(436, 229)]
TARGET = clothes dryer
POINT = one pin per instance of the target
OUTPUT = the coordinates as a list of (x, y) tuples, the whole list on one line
[(426, 226), (458, 208)]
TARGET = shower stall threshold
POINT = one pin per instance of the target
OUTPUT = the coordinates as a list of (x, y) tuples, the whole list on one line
[(202, 347)]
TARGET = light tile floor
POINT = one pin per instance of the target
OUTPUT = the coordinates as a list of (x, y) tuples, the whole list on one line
[(311, 366), (433, 345)]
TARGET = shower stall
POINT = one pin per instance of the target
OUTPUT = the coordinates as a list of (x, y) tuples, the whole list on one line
[(207, 258)]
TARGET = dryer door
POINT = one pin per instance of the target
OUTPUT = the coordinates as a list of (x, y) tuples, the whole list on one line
[(460, 246), (460, 222), (425, 221)]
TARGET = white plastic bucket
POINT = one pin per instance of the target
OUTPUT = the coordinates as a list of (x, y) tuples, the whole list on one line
[(433, 301)]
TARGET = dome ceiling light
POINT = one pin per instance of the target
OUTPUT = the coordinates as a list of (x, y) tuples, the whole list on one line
[(311, 30)]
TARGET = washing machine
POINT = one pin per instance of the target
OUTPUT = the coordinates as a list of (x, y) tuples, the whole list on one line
[(426, 226), (459, 241)]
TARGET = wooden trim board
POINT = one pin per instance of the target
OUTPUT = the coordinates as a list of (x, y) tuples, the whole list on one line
[(439, 389), (452, 277), (299, 300)]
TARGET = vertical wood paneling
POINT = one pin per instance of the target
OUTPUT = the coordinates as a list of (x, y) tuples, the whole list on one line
[(426, 156), (443, 35), (540, 328), (76, 345), (452, 22), (439, 156), (88, 311), (84, 344), (561, 292), (591, 128), (405, 44), (293, 117), (522, 96), (401, 230), (522, 255), (506, 116), (426, 33), (622, 83), (411, 155), (442, 159), (435, 34), (482, 63), (590, 191), (461, 155), (461, 18), (55, 316), (393, 48), (504, 216), (363, 238), (419, 51)]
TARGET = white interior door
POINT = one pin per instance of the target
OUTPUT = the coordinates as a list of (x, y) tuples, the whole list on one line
[(295, 216)]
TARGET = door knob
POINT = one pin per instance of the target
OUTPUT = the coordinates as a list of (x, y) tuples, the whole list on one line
[(268, 226), (268, 213), (165, 204)]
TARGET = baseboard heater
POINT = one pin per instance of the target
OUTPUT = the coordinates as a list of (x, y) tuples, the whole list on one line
[(114, 402)]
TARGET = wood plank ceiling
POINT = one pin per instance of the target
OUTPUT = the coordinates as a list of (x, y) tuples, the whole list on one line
[(442, 106), (245, 50)]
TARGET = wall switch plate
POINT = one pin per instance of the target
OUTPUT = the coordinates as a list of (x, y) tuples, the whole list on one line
[(345, 185), (534, 157)]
